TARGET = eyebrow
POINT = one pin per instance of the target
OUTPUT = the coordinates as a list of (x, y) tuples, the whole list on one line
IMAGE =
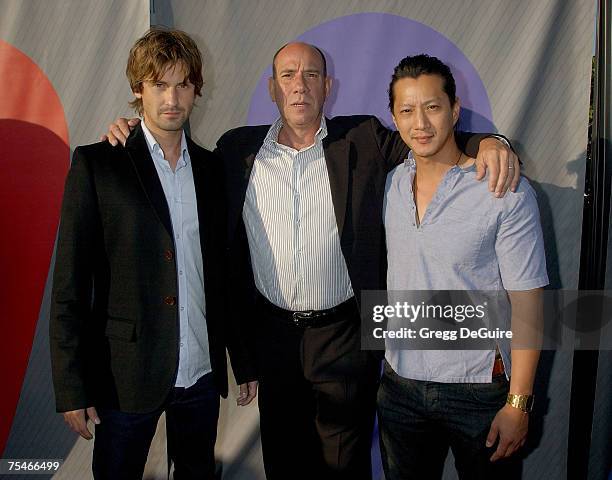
[(292, 70), (429, 100), (185, 80)]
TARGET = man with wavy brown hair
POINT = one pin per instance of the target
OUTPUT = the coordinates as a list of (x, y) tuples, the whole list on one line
[(137, 325), (151, 55)]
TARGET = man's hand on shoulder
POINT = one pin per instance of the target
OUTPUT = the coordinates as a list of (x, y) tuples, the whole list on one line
[(77, 421), (119, 131), (501, 162)]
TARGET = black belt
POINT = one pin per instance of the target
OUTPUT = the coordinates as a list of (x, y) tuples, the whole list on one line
[(310, 318)]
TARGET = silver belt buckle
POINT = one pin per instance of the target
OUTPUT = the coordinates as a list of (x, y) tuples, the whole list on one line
[(299, 316)]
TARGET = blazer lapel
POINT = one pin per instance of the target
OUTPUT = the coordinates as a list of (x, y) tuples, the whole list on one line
[(136, 146), (337, 160), (239, 174), (206, 204)]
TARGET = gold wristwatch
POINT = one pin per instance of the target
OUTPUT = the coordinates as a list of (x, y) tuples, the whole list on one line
[(522, 402)]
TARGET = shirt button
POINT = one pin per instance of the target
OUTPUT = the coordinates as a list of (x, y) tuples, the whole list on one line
[(181, 344), (170, 300), (182, 308), (180, 272)]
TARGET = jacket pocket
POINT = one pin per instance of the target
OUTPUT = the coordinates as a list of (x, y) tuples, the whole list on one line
[(120, 329)]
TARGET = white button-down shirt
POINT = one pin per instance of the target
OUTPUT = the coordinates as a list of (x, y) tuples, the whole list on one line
[(291, 227), (179, 189)]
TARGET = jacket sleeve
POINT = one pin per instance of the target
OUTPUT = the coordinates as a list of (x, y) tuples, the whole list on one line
[(394, 150), (71, 299), (470, 142), (236, 290), (240, 320)]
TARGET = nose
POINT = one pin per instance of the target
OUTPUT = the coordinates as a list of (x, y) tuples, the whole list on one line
[(171, 97), (299, 85), (422, 121)]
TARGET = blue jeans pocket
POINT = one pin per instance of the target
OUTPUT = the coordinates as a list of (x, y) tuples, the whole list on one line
[(493, 393)]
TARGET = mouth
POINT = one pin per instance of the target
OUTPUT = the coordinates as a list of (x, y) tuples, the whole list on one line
[(299, 104), (423, 139)]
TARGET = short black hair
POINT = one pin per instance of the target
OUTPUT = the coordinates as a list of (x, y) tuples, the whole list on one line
[(310, 45), (423, 64)]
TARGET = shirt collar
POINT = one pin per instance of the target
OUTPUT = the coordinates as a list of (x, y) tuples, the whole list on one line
[(155, 149), (410, 163), (272, 135)]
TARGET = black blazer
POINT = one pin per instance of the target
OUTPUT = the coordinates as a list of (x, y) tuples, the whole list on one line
[(114, 327), (359, 152)]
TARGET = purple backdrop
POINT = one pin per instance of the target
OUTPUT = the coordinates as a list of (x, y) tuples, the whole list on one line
[(362, 50)]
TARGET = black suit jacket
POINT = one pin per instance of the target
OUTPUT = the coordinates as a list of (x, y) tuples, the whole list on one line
[(114, 327), (359, 152)]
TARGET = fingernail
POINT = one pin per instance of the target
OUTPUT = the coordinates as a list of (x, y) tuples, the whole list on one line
[(489, 443)]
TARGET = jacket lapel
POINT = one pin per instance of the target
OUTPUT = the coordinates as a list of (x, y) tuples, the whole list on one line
[(136, 146), (239, 174), (207, 207), (336, 151)]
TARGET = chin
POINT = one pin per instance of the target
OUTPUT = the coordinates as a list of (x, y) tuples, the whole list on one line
[(172, 126), (422, 152)]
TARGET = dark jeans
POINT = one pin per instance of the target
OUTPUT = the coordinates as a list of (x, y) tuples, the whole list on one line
[(317, 399), (419, 421), (122, 440)]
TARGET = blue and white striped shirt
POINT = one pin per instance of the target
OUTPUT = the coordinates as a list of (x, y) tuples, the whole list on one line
[(291, 227)]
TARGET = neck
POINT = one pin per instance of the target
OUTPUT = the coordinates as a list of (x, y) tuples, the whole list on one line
[(435, 166), (170, 143), (298, 138)]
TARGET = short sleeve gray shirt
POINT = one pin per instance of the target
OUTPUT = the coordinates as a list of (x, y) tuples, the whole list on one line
[(467, 240)]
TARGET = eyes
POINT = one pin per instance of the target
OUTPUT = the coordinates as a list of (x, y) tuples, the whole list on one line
[(308, 75), (432, 107), (162, 85)]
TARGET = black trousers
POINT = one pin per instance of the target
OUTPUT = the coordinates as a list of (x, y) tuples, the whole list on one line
[(122, 440), (317, 398)]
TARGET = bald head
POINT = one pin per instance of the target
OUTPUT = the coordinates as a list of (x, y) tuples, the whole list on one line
[(303, 45), (299, 88)]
